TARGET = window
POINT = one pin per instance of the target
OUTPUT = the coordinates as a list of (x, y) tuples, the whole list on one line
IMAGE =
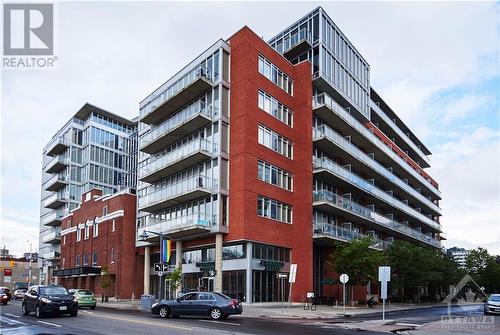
[(113, 226), (274, 175), (64, 240), (77, 260), (275, 142), (112, 254), (274, 74), (272, 106), (273, 209), (95, 231), (87, 231), (94, 258), (85, 259), (63, 261), (105, 211), (78, 234)]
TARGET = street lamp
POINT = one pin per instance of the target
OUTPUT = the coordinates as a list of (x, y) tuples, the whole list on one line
[(144, 235), (31, 260)]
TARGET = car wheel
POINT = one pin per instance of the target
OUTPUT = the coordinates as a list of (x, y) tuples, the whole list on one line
[(24, 310), (163, 312), (216, 313), (4, 303), (39, 313)]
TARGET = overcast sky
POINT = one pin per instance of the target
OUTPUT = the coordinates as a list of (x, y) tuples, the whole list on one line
[(435, 64)]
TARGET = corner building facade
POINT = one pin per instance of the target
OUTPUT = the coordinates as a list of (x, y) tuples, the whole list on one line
[(260, 155)]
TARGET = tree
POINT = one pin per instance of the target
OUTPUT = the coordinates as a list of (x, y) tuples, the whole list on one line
[(105, 282), (175, 278), (477, 260), (484, 269)]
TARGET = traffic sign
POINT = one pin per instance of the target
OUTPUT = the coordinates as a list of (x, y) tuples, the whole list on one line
[(293, 273), (281, 275), (160, 267), (344, 278), (384, 273), (384, 276), (7, 272)]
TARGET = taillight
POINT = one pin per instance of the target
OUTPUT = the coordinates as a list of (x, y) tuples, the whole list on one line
[(234, 303)]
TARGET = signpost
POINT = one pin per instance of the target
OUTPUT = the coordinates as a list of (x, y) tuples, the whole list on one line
[(160, 267), (384, 276), (291, 280), (344, 278), (282, 277)]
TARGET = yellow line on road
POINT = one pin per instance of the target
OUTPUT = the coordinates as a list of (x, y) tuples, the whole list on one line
[(145, 322)]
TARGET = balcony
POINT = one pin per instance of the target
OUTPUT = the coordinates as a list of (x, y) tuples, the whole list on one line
[(189, 154), (57, 147), (338, 205), (57, 164), (297, 43), (53, 219), (348, 178), (180, 125), (183, 227), (177, 193), (328, 140), (52, 255), (52, 237), (56, 182), (165, 101), (54, 201), (333, 114), (324, 233)]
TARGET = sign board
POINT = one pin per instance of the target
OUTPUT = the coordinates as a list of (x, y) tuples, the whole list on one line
[(160, 267), (293, 273), (281, 275), (212, 273), (384, 273), (344, 278), (310, 295), (383, 290), (6, 279), (7, 272)]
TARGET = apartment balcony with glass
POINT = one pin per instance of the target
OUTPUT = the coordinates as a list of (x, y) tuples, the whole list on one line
[(191, 118), (328, 140), (53, 218), (335, 115), (189, 154), (186, 190), (57, 164), (295, 43), (57, 146), (335, 204), (168, 99), (324, 232), (414, 150), (52, 255), (55, 200), (56, 182), (339, 175), (54, 237), (189, 225)]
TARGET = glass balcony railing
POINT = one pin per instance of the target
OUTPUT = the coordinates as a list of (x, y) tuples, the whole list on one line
[(303, 35), (334, 137), (167, 90), (54, 217), (355, 208), (56, 164), (324, 99), (56, 182), (52, 237), (184, 151), (398, 131), (175, 190), (180, 222), (51, 255), (57, 146), (197, 108), (345, 234), (351, 177), (55, 199)]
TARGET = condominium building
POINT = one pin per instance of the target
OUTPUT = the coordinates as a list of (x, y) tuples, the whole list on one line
[(459, 255), (94, 149), (257, 155)]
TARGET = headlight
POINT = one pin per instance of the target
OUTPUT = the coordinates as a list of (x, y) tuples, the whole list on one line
[(75, 299), (47, 301), (155, 304)]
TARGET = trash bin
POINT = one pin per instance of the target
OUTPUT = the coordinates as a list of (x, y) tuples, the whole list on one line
[(147, 301)]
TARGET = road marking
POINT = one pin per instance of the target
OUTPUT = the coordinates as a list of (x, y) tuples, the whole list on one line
[(87, 312), (16, 316), (50, 324), (222, 322), (145, 322), (11, 322)]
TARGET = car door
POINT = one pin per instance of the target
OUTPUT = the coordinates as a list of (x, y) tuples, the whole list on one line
[(183, 305), (203, 304)]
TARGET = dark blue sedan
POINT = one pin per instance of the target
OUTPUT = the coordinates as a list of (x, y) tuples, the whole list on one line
[(215, 305)]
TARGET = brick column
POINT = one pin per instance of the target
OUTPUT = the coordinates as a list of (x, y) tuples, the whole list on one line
[(147, 269), (218, 263)]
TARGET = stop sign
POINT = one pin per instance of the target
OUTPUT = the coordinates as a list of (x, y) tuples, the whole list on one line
[(7, 272)]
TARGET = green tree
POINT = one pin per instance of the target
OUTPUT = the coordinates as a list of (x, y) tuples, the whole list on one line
[(484, 269), (477, 260), (175, 278), (105, 282)]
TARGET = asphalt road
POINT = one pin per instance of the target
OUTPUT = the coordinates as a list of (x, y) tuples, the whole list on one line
[(107, 321)]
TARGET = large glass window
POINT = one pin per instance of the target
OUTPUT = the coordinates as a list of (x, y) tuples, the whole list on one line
[(272, 106), (273, 73), (274, 175), (273, 209), (274, 141)]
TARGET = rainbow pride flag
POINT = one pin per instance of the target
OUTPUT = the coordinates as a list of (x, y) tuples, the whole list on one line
[(166, 251)]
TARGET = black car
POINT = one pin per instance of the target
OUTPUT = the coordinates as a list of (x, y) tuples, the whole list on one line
[(215, 305), (6, 291), (49, 299)]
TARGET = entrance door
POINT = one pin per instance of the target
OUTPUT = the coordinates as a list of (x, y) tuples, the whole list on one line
[(206, 284), (169, 293)]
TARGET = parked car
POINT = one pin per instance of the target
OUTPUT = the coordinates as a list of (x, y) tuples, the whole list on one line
[(3, 297), (19, 293), (492, 305), (215, 305), (85, 298), (6, 290), (49, 299)]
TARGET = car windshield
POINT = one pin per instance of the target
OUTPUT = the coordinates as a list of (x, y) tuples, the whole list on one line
[(50, 290), (1, 292), (495, 298), (85, 292), (223, 296)]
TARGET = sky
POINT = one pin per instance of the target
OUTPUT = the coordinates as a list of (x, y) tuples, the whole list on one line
[(435, 63)]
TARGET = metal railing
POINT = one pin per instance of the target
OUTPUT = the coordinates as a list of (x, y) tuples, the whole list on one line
[(184, 221), (53, 235), (329, 229), (55, 160), (296, 38), (355, 208), (55, 197), (166, 91), (56, 215)]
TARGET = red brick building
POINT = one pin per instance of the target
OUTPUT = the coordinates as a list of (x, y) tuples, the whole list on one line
[(97, 235)]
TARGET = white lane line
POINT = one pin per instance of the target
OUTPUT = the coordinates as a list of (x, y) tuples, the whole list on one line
[(87, 312), (12, 322), (222, 322), (8, 314), (50, 324)]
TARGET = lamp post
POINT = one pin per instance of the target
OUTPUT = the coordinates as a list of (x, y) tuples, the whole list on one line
[(31, 261), (144, 235)]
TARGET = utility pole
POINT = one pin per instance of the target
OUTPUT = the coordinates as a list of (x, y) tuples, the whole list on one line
[(31, 261)]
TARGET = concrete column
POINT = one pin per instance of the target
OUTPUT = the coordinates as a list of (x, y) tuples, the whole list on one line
[(178, 262), (248, 289), (218, 263), (147, 269)]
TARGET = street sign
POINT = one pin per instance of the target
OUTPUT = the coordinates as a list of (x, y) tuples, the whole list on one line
[(344, 278), (6, 279), (384, 273), (160, 267), (212, 273), (160, 274), (293, 273), (281, 275), (7, 272), (384, 276)]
